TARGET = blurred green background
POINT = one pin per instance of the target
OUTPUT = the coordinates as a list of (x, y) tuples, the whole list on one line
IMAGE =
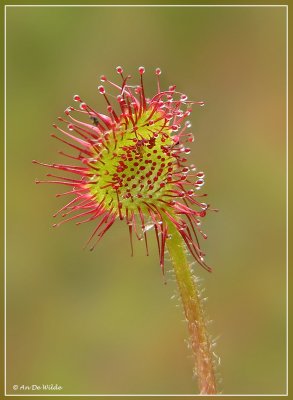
[(103, 322)]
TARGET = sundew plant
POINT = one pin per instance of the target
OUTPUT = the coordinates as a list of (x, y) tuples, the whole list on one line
[(132, 164)]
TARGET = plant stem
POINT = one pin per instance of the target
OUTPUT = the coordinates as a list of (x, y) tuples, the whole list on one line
[(193, 311)]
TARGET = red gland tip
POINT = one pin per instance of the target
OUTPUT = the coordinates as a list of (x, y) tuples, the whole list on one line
[(101, 89), (158, 71), (119, 69), (103, 78), (76, 97), (141, 70), (83, 106)]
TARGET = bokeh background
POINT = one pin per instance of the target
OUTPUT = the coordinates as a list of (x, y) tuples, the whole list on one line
[(103, 322)]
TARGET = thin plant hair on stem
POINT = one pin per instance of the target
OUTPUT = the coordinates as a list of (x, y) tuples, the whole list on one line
[(201, 347)]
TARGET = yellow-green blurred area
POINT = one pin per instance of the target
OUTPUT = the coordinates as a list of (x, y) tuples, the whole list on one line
[(103, 321)]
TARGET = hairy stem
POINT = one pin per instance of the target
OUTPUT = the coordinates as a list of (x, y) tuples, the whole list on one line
[(193, 311)]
